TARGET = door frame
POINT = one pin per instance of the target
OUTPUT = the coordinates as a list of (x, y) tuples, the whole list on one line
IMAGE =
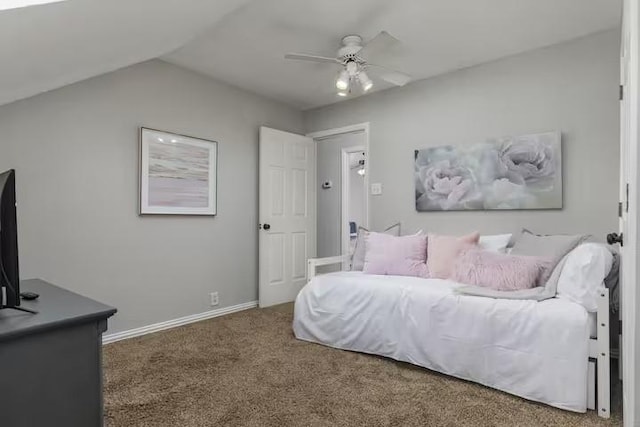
[(358, 127), (630, 220)]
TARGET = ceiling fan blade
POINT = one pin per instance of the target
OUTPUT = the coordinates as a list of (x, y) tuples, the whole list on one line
[(312, 58), (398, 78), (379, 43)]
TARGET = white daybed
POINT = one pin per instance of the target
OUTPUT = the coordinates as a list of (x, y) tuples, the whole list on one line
[(545, 351)]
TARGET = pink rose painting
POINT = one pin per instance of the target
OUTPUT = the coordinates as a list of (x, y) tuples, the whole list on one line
[(522, 172)]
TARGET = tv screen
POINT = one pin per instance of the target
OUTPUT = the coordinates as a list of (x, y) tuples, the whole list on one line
[(9, 277)]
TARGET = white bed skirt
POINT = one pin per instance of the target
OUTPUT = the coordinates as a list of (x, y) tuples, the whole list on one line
[(536, 350)]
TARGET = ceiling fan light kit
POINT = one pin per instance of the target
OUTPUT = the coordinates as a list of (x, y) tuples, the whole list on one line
[(365, 81), (353, 57), (342, 83)]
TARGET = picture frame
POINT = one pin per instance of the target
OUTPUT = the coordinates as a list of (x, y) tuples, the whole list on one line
[(178, 174)]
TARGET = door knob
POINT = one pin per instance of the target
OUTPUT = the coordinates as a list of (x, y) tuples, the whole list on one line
[(266, 226), (613, 238)]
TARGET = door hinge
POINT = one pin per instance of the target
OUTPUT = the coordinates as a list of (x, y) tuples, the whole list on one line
[(621, 94), (623, 206), (627, 198)]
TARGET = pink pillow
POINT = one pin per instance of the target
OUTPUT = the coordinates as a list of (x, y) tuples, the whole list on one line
[(443, 251), (498, 271), (397, 256)]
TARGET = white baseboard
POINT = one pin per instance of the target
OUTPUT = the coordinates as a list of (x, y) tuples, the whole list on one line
[(118, 336)]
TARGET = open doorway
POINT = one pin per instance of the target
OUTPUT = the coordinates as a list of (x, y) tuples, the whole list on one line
[(342, 182), (354, 195)]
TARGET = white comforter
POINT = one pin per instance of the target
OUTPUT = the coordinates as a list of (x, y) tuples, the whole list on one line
[(536, 350)]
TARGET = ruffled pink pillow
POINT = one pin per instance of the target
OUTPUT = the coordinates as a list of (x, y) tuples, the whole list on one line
[(498, 271), (444, 250), (396, 256)]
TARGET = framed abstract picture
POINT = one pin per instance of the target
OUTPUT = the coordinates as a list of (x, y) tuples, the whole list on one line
[(519, 172), (178, 174)]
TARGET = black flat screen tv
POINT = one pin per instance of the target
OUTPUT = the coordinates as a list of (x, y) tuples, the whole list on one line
[(9, 276)]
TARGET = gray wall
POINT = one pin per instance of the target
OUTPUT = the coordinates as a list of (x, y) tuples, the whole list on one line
[(76, 155), (329, 167), (571, 87)]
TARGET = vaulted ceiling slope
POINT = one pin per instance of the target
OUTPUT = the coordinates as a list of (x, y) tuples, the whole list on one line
[(48, 46), (246, 49), (242, 42)]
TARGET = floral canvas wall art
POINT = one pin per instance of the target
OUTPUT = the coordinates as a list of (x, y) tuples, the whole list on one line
[(521, 172), (177, 174)]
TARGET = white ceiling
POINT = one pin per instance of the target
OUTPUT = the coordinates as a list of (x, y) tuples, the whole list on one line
[(49, 46), (246, 49), (242, 42)]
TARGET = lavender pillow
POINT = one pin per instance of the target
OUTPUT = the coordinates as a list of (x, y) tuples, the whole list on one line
[(396, 256), (498, 271), (357, 259)]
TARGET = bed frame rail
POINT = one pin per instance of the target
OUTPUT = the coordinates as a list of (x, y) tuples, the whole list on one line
[(314, 263), (599, 349)]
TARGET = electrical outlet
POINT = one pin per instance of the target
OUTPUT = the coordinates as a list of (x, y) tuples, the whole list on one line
[(214, 298)]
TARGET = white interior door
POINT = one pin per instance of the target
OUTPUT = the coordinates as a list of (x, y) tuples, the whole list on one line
[(630, 304), (287, 214)]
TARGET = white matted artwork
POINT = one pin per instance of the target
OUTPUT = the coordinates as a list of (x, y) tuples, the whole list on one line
[(521, 172), (178, 174)]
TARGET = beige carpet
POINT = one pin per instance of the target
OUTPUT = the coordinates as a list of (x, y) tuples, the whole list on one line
[(247, 369)]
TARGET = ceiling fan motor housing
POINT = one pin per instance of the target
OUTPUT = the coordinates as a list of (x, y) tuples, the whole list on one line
[(351, 45)]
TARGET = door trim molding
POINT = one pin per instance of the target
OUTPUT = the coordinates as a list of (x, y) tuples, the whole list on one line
[(321, 134), (629, 134)]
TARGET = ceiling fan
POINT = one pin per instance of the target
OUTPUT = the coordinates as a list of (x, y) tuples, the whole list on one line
[(353, 56)]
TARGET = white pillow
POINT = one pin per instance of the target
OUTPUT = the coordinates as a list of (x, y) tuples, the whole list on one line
[(582, 276), (495, 242)]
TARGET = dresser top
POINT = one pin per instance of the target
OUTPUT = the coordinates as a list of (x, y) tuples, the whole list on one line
[(56, 308)]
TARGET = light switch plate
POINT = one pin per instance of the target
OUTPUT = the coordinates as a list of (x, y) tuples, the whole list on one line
[(376, 189)]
